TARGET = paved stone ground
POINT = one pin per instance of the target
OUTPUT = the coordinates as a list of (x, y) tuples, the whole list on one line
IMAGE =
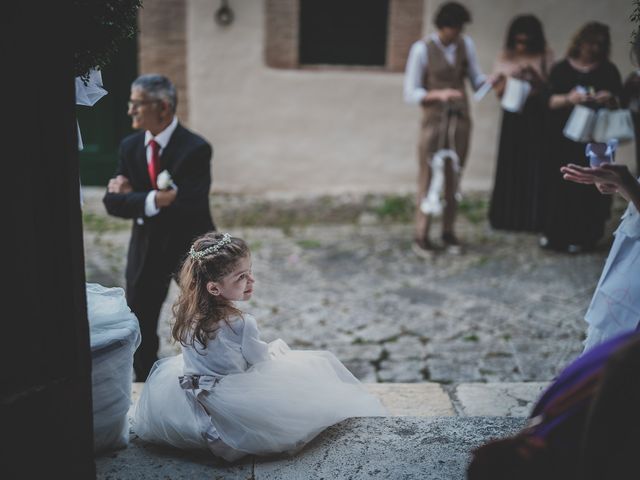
[(504, 311), (358, 448)]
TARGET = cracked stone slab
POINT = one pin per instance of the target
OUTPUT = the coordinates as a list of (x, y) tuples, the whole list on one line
[(391, 448), (144, 461), (514, 399), (413, 399)]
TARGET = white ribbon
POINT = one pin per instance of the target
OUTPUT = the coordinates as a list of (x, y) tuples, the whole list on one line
[(433, 203)]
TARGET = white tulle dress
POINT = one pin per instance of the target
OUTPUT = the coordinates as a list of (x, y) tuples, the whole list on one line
[(240, 395), (615, 306)]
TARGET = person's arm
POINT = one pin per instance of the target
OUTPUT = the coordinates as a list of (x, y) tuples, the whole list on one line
[(476, 76), (414, 91), (193, 178), (121, 200), (565, 100), (254, 350)]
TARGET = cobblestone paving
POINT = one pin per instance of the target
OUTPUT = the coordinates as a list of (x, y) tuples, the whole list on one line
[(504, 310)]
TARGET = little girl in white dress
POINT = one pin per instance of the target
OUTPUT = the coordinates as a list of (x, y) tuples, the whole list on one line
[(229, 391)]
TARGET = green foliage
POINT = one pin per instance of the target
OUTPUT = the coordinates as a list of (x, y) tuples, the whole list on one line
[(474, 210), (102, 224), (309, 243), (395, 207), (100, 28)]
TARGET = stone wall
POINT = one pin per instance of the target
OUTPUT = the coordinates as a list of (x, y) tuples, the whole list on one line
[(162, 46), (293, 129)]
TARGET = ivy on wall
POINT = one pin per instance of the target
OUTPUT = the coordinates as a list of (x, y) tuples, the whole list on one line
[(100, 28)]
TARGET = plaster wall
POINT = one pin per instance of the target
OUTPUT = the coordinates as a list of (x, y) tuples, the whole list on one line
[(346, 130)]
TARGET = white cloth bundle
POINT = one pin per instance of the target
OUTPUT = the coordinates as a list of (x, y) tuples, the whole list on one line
[(432, 203), (115, 335), (88, 94)]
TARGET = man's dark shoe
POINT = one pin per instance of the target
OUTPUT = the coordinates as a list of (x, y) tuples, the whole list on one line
[(451, 243), (423, 248)]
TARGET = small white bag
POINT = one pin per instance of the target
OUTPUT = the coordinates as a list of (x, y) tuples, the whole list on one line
[(613, 124), (515, 95), (580, 125)]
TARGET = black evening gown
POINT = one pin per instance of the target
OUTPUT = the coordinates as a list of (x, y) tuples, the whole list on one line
[(517, 198), (575, 214)]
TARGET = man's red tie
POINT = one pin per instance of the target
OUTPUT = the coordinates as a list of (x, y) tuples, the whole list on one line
[(154, 164)]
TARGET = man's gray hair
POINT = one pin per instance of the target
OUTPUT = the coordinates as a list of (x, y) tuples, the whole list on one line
[(158, 87)]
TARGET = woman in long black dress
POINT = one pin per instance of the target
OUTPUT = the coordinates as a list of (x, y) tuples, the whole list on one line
[(516, 201), (576, 214)]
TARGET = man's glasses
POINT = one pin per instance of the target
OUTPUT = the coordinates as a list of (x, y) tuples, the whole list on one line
[(135, 104)]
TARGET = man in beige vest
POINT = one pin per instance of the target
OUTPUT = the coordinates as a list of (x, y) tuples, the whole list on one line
[(434, 79)]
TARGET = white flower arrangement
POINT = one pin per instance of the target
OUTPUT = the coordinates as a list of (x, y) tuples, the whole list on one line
[(165, 181)]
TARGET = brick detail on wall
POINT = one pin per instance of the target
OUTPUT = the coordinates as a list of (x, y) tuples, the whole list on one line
[(281, 33), (404, 28), (282, 25), (162, 45)]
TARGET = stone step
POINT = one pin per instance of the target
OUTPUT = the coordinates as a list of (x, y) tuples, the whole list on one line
[(358, 448), (429, 434)]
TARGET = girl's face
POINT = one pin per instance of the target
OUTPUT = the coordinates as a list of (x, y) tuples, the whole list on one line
[(237, 285)]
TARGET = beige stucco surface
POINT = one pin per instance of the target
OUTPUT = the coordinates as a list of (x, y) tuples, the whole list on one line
[(332, 131)]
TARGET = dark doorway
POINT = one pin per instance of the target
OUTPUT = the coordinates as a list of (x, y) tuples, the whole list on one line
[(338, 32), (105, 124), (45, 362)]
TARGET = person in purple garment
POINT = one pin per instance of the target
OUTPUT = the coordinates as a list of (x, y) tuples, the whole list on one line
[(586, 425)]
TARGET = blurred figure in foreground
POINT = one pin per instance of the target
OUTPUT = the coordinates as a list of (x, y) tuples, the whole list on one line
[(586, 425)]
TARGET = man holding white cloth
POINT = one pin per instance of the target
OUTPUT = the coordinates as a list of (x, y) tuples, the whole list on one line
[(434, 79)]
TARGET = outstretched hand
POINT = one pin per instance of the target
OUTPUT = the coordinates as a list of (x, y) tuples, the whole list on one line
[(608, 178)]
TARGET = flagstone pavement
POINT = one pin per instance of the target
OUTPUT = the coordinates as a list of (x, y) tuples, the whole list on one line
[(502, 311)]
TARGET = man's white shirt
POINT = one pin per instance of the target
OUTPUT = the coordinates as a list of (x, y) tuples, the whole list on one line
[(162, 139), (418, 60)]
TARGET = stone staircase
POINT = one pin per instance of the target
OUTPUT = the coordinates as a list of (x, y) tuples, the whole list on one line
[(429, 435)]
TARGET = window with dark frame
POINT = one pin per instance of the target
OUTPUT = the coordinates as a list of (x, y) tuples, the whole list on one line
[(343, 32)]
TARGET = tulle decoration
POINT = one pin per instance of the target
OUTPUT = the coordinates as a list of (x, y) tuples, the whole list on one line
[(114, 336), (277, 405)]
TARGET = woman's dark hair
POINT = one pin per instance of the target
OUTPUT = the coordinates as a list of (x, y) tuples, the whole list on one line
[(530, 26), (451, 14), (591, 32)]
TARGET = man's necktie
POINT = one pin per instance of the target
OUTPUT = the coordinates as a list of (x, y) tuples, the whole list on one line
[(154, 164)]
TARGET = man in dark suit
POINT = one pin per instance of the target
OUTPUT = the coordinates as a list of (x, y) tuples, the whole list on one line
[(165, 220)]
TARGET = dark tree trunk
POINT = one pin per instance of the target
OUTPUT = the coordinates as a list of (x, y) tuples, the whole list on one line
[(45, 363)]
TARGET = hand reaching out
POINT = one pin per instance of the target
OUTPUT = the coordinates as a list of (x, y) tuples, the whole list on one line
[(618, 175), (607, 178)]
